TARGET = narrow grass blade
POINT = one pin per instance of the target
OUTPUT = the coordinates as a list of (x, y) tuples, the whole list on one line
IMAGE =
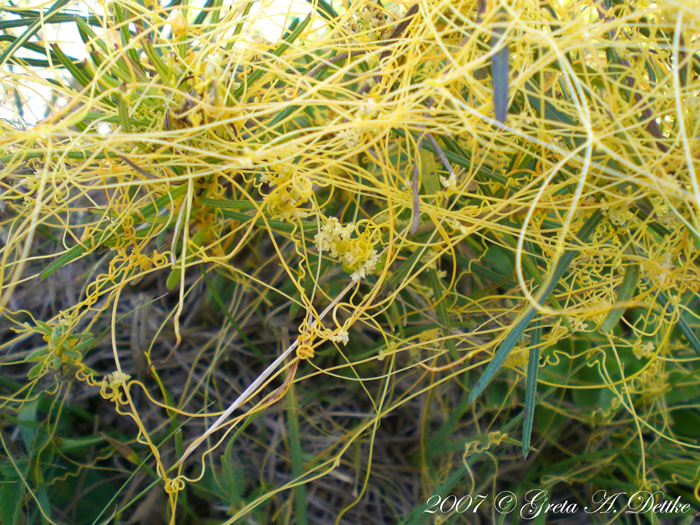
[(78, 250), (88, 35), (455, 157), (124, 115), (274, 224), (154, 56), (430, 181), (531, 388), (126, 37), (625, 293), (210, 6), (499, 76), (36, 48), (682, 322), (224, 204), (236, 326), (402, 271), (31, 16), (418, 515), (500, 356), (324, 9), (296, 455), (295, 31), (32, 30), (434, 443), (75, 252), (441, 309), (70, 66), (529, 313)]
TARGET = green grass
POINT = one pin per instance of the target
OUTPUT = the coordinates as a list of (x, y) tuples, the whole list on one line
[(393, 255)]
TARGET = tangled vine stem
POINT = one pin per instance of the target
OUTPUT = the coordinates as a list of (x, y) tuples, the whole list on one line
[(259, 381), (469, 192)]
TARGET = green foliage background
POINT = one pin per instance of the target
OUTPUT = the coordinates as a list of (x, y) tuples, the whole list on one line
[(333, 241)]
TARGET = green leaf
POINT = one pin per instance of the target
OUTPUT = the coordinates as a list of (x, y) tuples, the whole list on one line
[(274, 224), (26, 418), (441, 309), (400, 273), (74, 444), (232, 475), (173, 280), (460, 159), (499, 74), (531, 388), (148, 210), (126, 37), (683, 322), (300, 501), (70, 65), (34, 47), (154, 56), (528, 314), (37, 355), (296, 30), (324, 9), (124, 115), (88, 35), (625, 293), (11, 501), (429, 173), (236, 326), (75, 252), (210, 6), (35, 371), (223, 204), (32, 30)]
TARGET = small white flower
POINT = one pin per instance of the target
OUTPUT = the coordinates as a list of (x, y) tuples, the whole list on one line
[(367, 268), (331, 233), (341, 337), (368, 109), (449, 183), (350, 137), (115, 378)]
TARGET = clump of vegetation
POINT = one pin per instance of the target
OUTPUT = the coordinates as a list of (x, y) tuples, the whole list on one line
[(325, 272)]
